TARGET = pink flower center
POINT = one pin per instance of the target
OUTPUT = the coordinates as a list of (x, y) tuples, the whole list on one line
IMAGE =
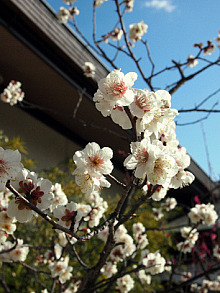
[(96, 161), (3, 165), (143, 103), (69, 216), (119, 89)]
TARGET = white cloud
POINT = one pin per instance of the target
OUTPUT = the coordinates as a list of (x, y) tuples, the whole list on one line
[(161, 4)]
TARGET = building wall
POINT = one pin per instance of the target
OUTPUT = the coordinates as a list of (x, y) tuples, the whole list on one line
[(43, 143)]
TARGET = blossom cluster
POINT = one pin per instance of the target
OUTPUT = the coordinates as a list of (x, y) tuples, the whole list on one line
[(12, 93), (206, 286), (191, 236), (157, 156), (64, 14), (154, 263), (203, 213)]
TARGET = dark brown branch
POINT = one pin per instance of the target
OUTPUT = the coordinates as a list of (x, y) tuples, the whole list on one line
[(189, 77)]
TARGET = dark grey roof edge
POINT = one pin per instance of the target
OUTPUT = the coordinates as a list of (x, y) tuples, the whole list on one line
[(62, 36)]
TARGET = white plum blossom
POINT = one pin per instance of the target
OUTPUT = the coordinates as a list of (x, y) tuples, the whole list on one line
[(137, 30), (204, 213), (89, 69), (216, 251), (129, 4), (59, 197), (192, 61), (142, 158), (164, 169), (63, 15), (116, 34), (116, 88), (13, 93), (182, 178), (5, 198), (154, 263), (117, 113), (61, 269), (190, 234), (73, 287), (3, 237), (125, 284), (145, 102), (7, 223), (68, 216), (94, 160), (10, 165), (185, 246), (157, 214), (145, 279), (109, 269), (88, 183), (170, 204), (35, 190), (160, 193)]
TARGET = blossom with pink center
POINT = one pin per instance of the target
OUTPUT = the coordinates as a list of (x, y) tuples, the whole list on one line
[(7, 223), (89, 69), (117, 113), (69, 216), (144, 102), (185, 246), (116, 88), (154, 263), (109, 269), (35, 190), (164, 169), (89, 183), (191, 61), (116, 34), (137, 30), (94, 160), (160, 193), (129, 4), (63, 15), (142, 158), (170, 204), (189, 233), (157, 214), (10, 165), (125, 284), (182, 178)]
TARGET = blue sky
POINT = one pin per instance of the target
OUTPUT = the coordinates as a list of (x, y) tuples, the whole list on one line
[(173, 27)]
